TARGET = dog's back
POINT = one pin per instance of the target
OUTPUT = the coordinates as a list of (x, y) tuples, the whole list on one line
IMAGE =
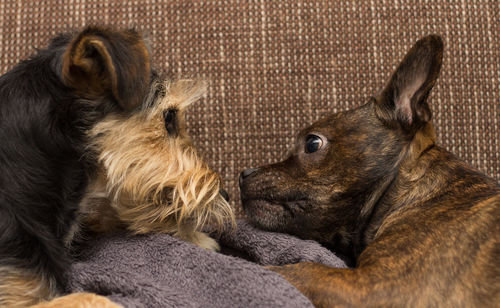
[(444, 237), (47, 104), (39, 163)]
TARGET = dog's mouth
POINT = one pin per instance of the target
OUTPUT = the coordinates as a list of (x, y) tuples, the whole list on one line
[(268, 214), (266, 205), (294, 206)]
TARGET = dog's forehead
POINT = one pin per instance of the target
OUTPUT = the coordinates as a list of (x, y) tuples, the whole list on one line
[(328, 123), (341, 124)]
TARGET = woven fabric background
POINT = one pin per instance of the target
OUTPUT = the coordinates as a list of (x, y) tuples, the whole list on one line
[(276, 66)]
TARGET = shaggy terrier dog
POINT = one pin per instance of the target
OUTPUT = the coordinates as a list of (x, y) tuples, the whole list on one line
[(92, 138)]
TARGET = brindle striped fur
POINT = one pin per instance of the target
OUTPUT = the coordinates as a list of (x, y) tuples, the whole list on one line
[(419, 226)]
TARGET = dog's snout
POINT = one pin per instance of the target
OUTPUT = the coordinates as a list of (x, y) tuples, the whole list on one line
[(224, 194), (246, 173)]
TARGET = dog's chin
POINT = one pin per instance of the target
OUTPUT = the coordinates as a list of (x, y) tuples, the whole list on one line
[(267, 215)]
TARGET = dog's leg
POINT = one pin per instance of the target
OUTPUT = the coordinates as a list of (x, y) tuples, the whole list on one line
[(79, 300), (19, 288), (325, 286)]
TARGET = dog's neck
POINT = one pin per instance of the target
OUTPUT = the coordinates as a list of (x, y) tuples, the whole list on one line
[(411, 166)]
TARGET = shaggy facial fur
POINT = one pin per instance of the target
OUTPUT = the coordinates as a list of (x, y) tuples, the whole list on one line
[(151, 178), (419, 226)]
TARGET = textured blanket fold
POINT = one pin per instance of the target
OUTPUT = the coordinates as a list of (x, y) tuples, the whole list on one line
[(162, 271)]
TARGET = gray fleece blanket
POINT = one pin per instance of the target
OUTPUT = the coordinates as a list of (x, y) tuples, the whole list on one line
[(162, 271)]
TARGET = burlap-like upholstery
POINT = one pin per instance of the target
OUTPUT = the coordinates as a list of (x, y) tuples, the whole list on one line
[(275, 66)]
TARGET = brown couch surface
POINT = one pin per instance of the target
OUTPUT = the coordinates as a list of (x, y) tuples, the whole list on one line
[(276, 66)]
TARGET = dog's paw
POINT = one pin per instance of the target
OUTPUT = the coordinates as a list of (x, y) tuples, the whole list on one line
[(79, 300), (205, 241)]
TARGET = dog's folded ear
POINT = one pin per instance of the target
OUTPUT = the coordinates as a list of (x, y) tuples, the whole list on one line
[(404, 99), (101, 62)]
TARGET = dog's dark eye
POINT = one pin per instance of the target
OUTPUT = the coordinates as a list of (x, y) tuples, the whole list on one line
[(170, 117), (313, 143)]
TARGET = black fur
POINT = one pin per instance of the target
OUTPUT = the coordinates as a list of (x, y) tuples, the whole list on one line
[(44, 167)]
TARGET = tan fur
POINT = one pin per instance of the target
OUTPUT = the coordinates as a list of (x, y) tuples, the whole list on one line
[(19, 288), (155, 182), (79, 300)]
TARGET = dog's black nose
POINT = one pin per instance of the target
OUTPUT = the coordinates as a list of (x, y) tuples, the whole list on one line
[(224, 194), (246, 173)]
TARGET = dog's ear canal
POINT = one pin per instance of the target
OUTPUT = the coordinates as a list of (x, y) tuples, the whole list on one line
[(404, 100), (101, 62)]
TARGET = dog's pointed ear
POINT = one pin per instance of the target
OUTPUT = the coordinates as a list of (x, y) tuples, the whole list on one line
[(404, 99), (101, 62)]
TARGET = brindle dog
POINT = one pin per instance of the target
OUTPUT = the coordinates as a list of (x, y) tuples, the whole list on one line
[(420, 227)]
